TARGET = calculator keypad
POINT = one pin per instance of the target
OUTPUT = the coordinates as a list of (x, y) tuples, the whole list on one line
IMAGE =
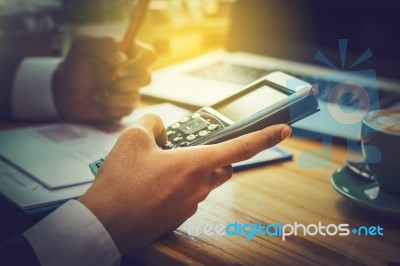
[(191, 129)]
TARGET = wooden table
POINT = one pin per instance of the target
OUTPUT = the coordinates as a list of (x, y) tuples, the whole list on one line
[(287, 193), (283, 192)]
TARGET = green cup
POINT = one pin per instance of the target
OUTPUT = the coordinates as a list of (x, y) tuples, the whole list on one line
[(380, 142)]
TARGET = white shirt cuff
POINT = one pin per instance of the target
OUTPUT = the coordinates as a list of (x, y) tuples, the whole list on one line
[(72, 235), (32, 96)]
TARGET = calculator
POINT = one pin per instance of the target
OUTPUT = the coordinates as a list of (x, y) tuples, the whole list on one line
[(273, 99)]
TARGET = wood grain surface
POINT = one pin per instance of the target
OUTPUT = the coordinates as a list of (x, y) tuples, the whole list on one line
[(286, 192)]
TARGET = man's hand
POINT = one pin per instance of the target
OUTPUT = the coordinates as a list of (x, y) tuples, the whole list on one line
[(143, 192), (82, 87)]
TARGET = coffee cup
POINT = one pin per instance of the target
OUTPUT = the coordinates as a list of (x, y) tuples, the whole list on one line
[(380, 142)]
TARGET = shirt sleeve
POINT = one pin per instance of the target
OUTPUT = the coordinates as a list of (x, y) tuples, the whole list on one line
[(72, 235), (32, 96)]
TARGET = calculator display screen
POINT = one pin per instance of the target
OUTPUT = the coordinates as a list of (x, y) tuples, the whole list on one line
[(251, 103), (194, 125)]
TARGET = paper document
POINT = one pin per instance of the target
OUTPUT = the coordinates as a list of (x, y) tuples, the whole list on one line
[(43, 166)]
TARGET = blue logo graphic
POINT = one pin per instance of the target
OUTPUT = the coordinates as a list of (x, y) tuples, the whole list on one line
[(348, 94), (368, 231), (343, 51)]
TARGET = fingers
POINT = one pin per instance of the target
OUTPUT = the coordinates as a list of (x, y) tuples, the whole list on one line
[(132, 84), (117, 59), (108, 50), (114, 114), (154, 126), (113, 105), (136, 66), (118, 100), (241, 148), (142, 47), (105, 48), (142, 56), (220, 176), (205, 183)]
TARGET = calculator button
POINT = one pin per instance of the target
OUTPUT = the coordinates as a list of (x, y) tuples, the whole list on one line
[(212, 127), (170, 132), (195, 115), (177, 139), (184, 120), (168, 145), (183, 144), (176, 126), (191, 137), (203, 133)]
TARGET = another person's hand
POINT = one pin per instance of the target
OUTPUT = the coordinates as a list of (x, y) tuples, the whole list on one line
[(143, 192), (83, 90)]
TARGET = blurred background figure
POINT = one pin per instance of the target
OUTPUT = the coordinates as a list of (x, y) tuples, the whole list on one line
[(46, 27), (177, 29)]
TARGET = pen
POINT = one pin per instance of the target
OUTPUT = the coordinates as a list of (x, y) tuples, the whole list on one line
[(136, 17), (137, 14)]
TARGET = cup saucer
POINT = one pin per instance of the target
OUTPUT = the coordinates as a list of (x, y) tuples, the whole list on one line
[(365, 193)]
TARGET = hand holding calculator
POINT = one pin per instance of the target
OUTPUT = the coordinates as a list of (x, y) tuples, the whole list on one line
[(274, 99)]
